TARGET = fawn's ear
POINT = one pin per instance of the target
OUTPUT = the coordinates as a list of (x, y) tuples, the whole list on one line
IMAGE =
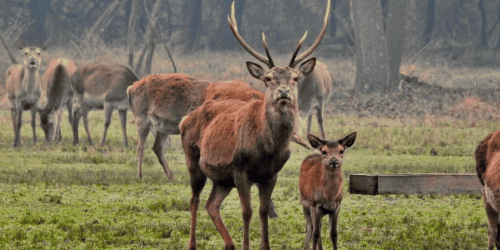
[(255, 70), (45, 45), (308, 66), (315, 141), (19, 44), (348, 141)]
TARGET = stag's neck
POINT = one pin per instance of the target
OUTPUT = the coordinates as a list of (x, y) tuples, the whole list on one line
[(30, 82), (331, 180), (279, 126)]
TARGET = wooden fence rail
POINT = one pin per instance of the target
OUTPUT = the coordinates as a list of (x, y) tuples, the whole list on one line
[(414, 184)]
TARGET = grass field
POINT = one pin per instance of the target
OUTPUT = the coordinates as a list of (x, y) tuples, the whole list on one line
[(57, 196)]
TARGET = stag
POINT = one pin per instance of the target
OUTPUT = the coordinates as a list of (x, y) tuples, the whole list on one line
[(488, 170), (320, 185), (57, 92), (101, 86), (237, 144), (23, 87)]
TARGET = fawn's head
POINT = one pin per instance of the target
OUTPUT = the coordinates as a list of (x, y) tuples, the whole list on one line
[(332, 152), (32, 55), (281, 82)]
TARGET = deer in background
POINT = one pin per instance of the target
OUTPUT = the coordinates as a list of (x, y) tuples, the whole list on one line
[(23, 87), (101, 86), (320, 185), (487, 157), (57, 92), (237, 144)]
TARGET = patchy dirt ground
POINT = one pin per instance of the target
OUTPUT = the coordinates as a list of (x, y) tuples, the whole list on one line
[(418, 99)]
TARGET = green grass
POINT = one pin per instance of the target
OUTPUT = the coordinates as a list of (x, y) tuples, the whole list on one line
[(58, 196)]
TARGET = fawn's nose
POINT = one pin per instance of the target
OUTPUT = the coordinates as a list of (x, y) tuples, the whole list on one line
[(333, 162)]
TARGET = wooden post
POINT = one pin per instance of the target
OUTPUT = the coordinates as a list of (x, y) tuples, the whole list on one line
[(414, 184)]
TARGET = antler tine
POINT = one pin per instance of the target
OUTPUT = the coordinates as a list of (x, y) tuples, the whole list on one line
[(234, 29), (318, 39), (297, 50), (271, 63)]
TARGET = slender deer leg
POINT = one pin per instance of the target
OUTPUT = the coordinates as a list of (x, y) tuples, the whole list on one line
[(265, 191), (334, 217), (218, 195), (272, 210), (19, 124), (13, 114), (307, 214), (319, 116), (316, 216), (309, 121), (198, 180), (33, 120), (159, 149), (69, 106), (243, 186), (57, 134), (108, 111), (143, 130), (76, 124), (492, 223), (123, 120), (85, 112)]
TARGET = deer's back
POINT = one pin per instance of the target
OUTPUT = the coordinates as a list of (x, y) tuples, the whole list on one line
[(108, 81), (233, 89), (488, 168), (13, 82), (311, 171), (57, 78)]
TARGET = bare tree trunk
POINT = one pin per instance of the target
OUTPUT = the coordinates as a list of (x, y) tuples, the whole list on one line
[(395, 33), (484, 37), (140, 60), (429, 24), (372, 64), (191, 11), (131, 32), (11, 56), (224, 38), (153, 17), (108, 13)]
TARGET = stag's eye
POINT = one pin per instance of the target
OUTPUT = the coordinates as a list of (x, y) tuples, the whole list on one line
[(38, 53), (25, 53), (295, 79), (268, 79), (324, 152)]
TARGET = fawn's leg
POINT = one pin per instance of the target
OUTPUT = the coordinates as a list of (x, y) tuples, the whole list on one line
[(307, 215), (334, 218)]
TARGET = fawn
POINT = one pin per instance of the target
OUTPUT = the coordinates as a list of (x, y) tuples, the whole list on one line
[(321, 186)]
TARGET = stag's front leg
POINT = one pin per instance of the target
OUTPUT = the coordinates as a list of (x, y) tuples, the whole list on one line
[(33, 120), (265, 191), (217, 196), (244, 192)]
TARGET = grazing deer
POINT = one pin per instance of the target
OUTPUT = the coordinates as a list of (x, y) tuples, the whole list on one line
[(238, 144), (488, 170), (23, 88), (57, 91), (321, 186), (101, 86), (314, 92)]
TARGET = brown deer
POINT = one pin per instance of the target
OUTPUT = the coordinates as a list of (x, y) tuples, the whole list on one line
[(23, 88), (320, 184), (314, 93), (238, 144), (488, 170), (101, 86), (57, 92)]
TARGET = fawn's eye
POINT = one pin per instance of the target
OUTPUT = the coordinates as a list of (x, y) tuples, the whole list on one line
[(324, 152), (38, 53), (295, 79), (25, 53), (342, 151)]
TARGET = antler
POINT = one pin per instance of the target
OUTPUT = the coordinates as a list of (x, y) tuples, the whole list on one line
[(234, 28), (306, 53)]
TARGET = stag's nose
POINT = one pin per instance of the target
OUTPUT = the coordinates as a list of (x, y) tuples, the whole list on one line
[(333, 162), (284, 92)]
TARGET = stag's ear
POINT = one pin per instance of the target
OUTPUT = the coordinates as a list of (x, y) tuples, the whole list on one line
[(308, 66), (315, 141), (19, 44), (45, 45), (255, 70), (348, 141)]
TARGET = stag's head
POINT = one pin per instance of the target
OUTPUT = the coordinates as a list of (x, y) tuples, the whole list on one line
[(332, 152), (281, 82), (32, 55)]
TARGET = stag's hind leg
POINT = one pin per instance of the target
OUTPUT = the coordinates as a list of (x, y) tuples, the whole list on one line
[(123, 121), (265, 191), (198, 180), (159, 149), (216, 198)]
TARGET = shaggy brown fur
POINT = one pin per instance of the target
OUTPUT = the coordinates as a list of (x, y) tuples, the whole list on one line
[(321, 186), (57, 91), (23, 88), (488, 170), (101, 86)]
